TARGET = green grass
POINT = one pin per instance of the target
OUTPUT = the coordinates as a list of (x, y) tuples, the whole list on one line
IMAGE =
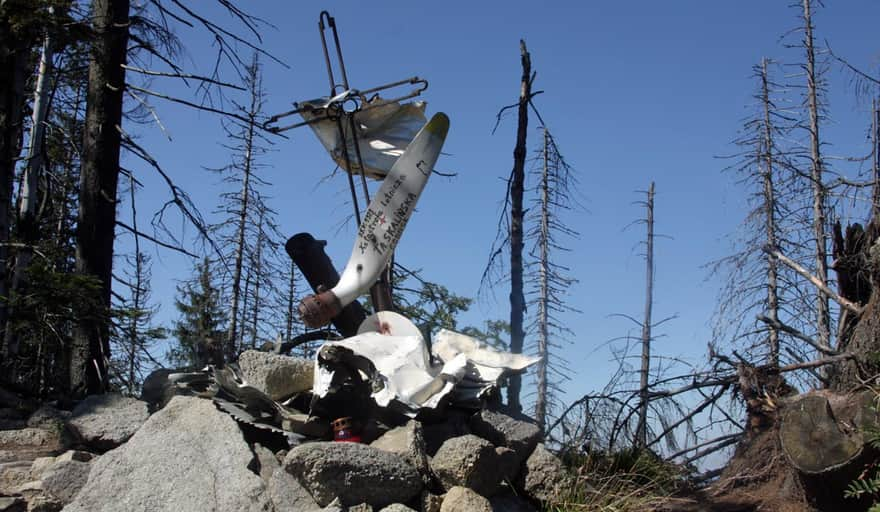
[(629, 480)]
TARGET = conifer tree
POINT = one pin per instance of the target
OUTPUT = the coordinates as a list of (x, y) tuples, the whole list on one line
[(200, 331)]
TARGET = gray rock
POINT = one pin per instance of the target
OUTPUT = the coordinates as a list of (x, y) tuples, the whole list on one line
[(462, 499), (13, 475), (407, 441), (40, 465), (64, 479), (267, 460), (12, 504), (309, 426), (30, 443), (287, 495), (41, 503), (353, 472), (106, 421), (77, 455), (519, 434), (543, 476), (188, 456), (397, 507), (48, 417), (276, 375), (468, 461)]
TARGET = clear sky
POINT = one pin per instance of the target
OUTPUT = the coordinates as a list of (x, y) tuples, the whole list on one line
[(634, 91)]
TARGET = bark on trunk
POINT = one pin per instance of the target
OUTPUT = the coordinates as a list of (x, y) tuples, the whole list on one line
[(770, 220), (232, 342), (13, 62), (875, 150), (544, 299), (257, 266), (823, 315), (644, 373), (98, 183), (517, 185)]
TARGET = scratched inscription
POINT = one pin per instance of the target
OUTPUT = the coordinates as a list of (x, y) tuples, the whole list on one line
[(383, 223)]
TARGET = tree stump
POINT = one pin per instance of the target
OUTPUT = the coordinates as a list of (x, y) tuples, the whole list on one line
[(823, 435)]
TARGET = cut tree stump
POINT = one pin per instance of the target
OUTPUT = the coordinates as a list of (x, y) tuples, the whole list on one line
[(823, 432)]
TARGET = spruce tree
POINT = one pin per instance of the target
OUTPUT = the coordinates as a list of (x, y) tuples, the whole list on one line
[(200, 331)]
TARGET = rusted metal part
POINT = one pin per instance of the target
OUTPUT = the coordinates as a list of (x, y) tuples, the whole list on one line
[(380, 293), (315, 265), (318, 310)]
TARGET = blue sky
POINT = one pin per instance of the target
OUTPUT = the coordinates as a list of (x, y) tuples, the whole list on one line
[(634, 92)]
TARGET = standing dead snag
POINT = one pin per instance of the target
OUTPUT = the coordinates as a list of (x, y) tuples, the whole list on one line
[(875, 157), (556, 188), (756, 284), (769, 194), (823, 315), (517, 186), (644, 373)]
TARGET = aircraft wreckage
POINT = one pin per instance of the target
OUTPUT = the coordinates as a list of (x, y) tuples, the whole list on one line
[(382, 364)]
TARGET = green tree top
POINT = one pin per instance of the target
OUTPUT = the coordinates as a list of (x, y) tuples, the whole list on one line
[(200, 331)]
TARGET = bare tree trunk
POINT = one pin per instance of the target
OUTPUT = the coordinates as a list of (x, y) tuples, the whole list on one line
[(245, 301), (232, 342), (875, 167), (517, 186), (13, 62), (544, 297), (258, 273), (819, 192), (27, 221), (137, 303), (98, 184), (770, 220), (644, 372)]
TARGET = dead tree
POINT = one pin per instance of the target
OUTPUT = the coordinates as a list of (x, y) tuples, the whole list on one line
[(544, 280), (27, 221), (556, 189), (875, 158), (517, 181), (644, 372), (756, 285), (823, 315), (236, 233), (769, 194)]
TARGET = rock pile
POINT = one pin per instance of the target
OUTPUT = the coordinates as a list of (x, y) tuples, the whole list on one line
[(108, 454)]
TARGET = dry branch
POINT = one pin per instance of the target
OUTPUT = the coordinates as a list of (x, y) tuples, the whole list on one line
[(814, 280), (776, 324)]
